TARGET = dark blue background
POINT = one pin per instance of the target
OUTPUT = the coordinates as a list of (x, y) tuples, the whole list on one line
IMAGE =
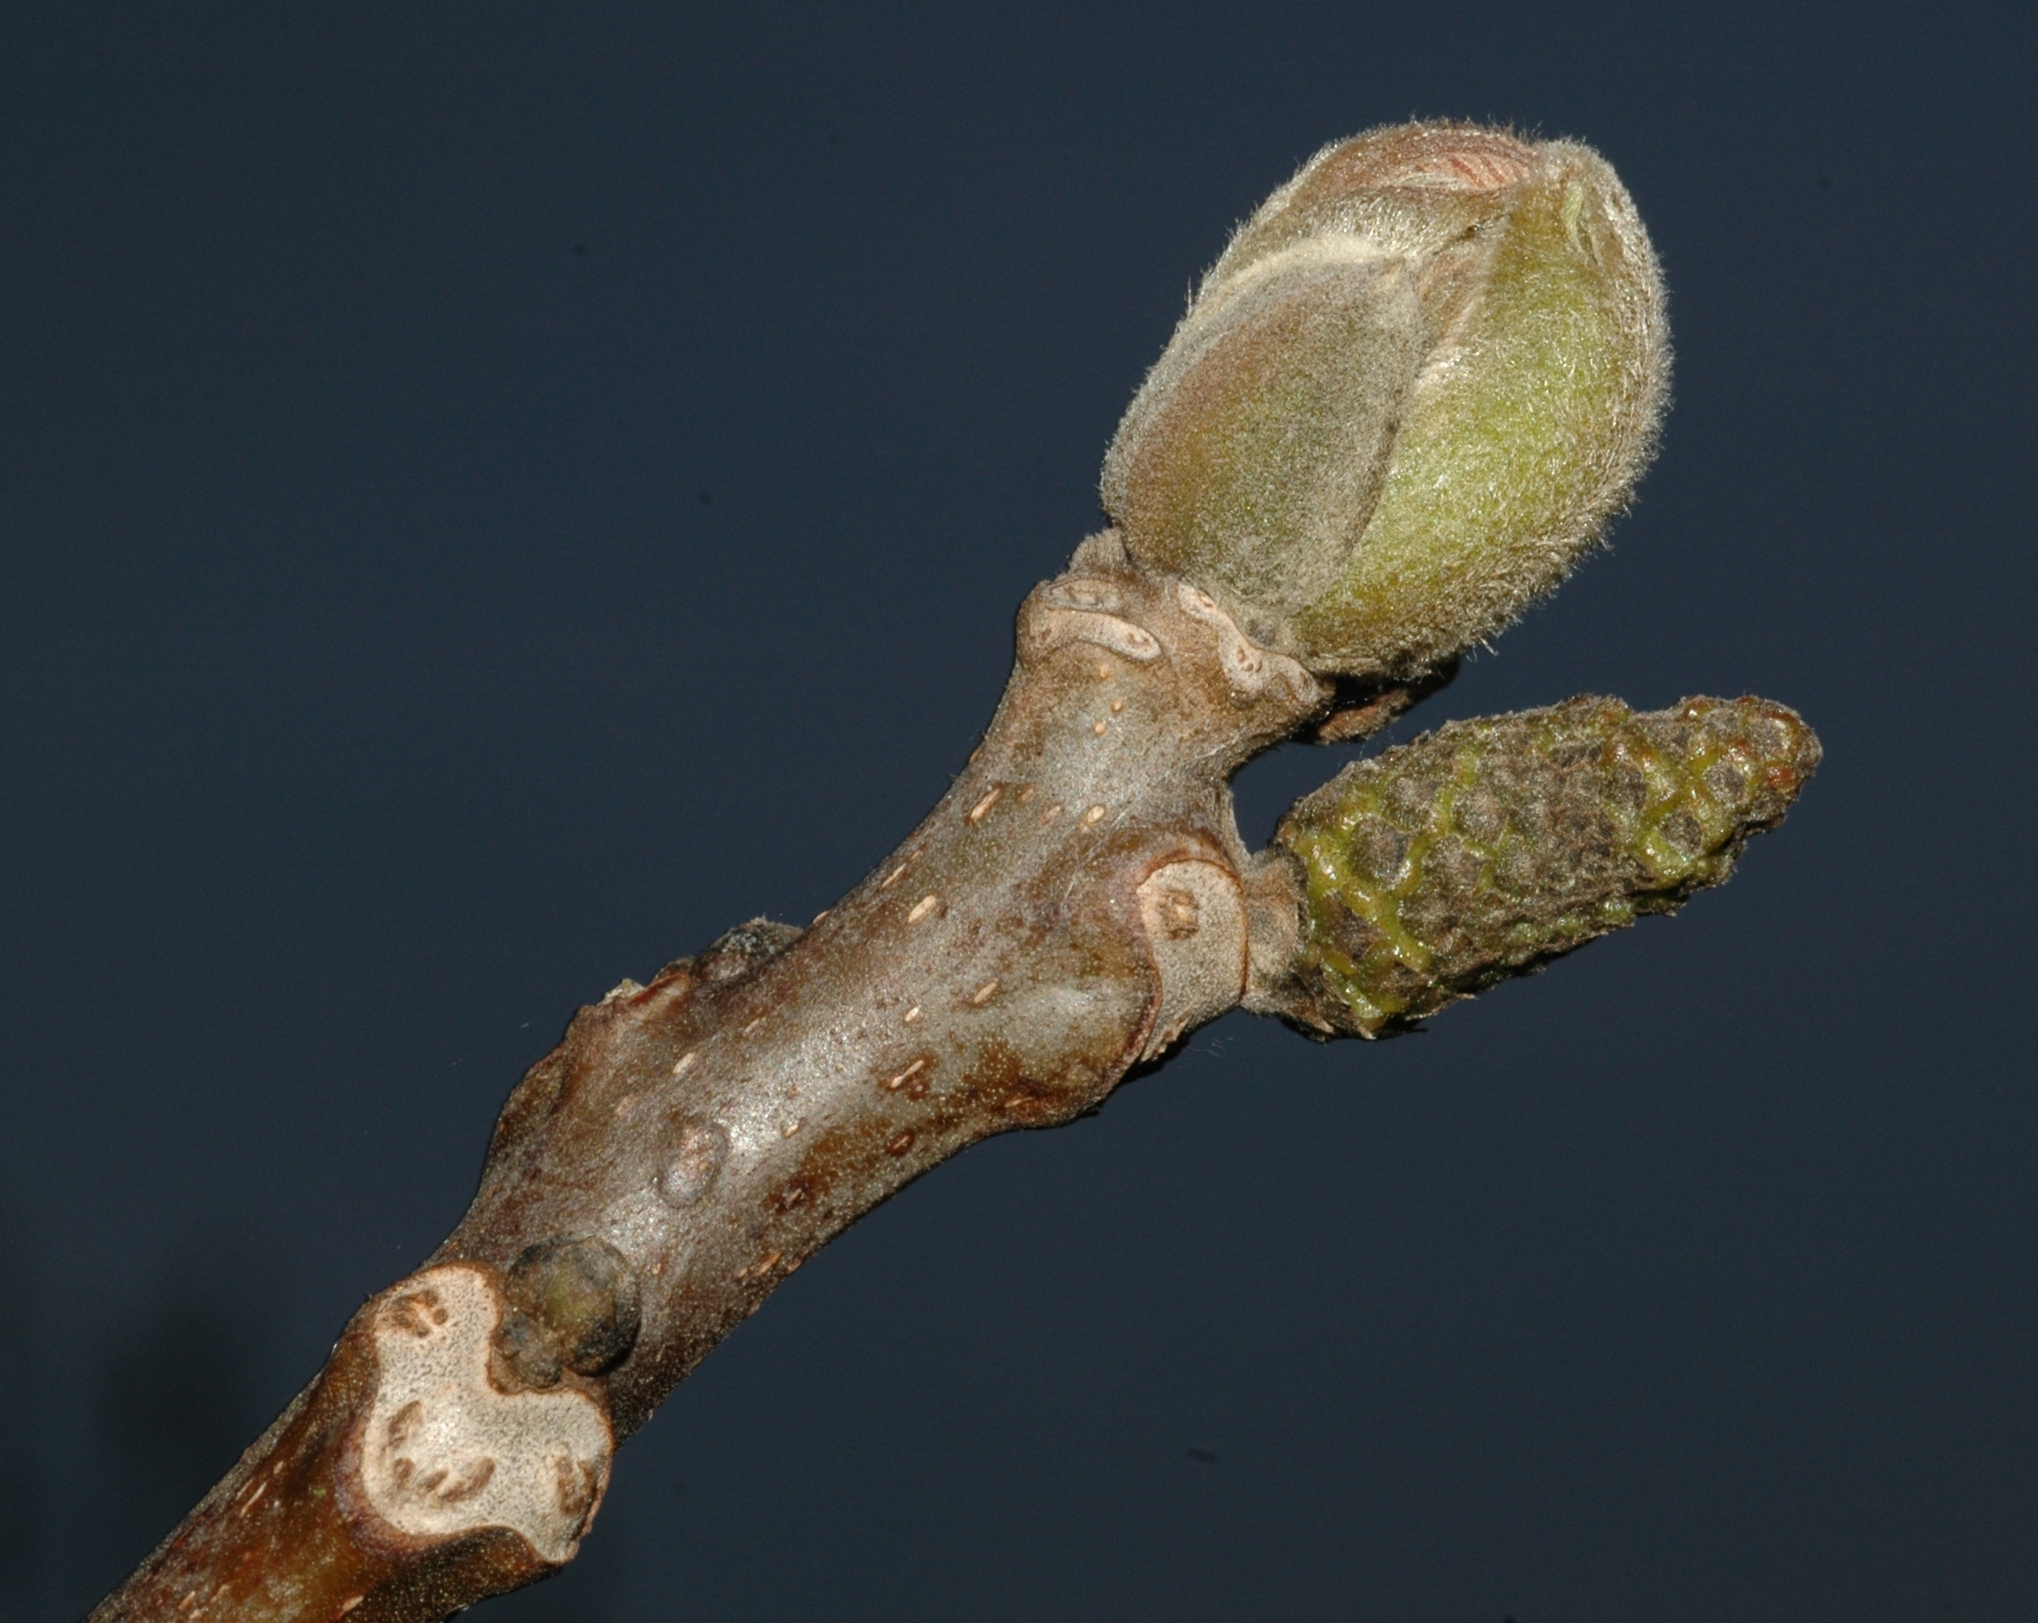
[(492, 495)]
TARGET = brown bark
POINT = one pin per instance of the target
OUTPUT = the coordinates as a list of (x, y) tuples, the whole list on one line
[(1078, 900), (1068, 910)]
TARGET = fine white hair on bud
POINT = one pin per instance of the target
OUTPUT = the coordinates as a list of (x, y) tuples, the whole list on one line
[(1405, 400)]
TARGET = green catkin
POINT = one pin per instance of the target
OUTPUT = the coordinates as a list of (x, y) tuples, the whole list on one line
[(1486, 848)]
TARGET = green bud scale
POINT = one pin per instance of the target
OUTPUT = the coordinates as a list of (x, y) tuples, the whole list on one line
[(1405, 400)]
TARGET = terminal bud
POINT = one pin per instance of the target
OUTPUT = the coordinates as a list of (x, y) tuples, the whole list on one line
[(1406, 398)]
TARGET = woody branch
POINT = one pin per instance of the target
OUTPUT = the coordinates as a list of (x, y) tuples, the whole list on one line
[(1405, 400)]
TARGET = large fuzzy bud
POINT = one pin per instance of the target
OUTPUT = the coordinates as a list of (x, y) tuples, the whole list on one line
[(1406, 398)]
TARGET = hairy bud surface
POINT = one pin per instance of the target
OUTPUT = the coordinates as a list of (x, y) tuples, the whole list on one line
[(1406, 398)]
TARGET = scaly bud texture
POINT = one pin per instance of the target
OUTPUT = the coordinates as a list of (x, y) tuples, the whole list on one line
[(1488, 847), (1405, 400)]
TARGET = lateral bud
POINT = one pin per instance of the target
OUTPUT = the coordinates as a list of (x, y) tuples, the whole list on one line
[(574, 1303)]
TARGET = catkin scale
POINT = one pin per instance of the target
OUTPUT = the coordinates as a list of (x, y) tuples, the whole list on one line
[(1484, 849), (1406, 398)]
